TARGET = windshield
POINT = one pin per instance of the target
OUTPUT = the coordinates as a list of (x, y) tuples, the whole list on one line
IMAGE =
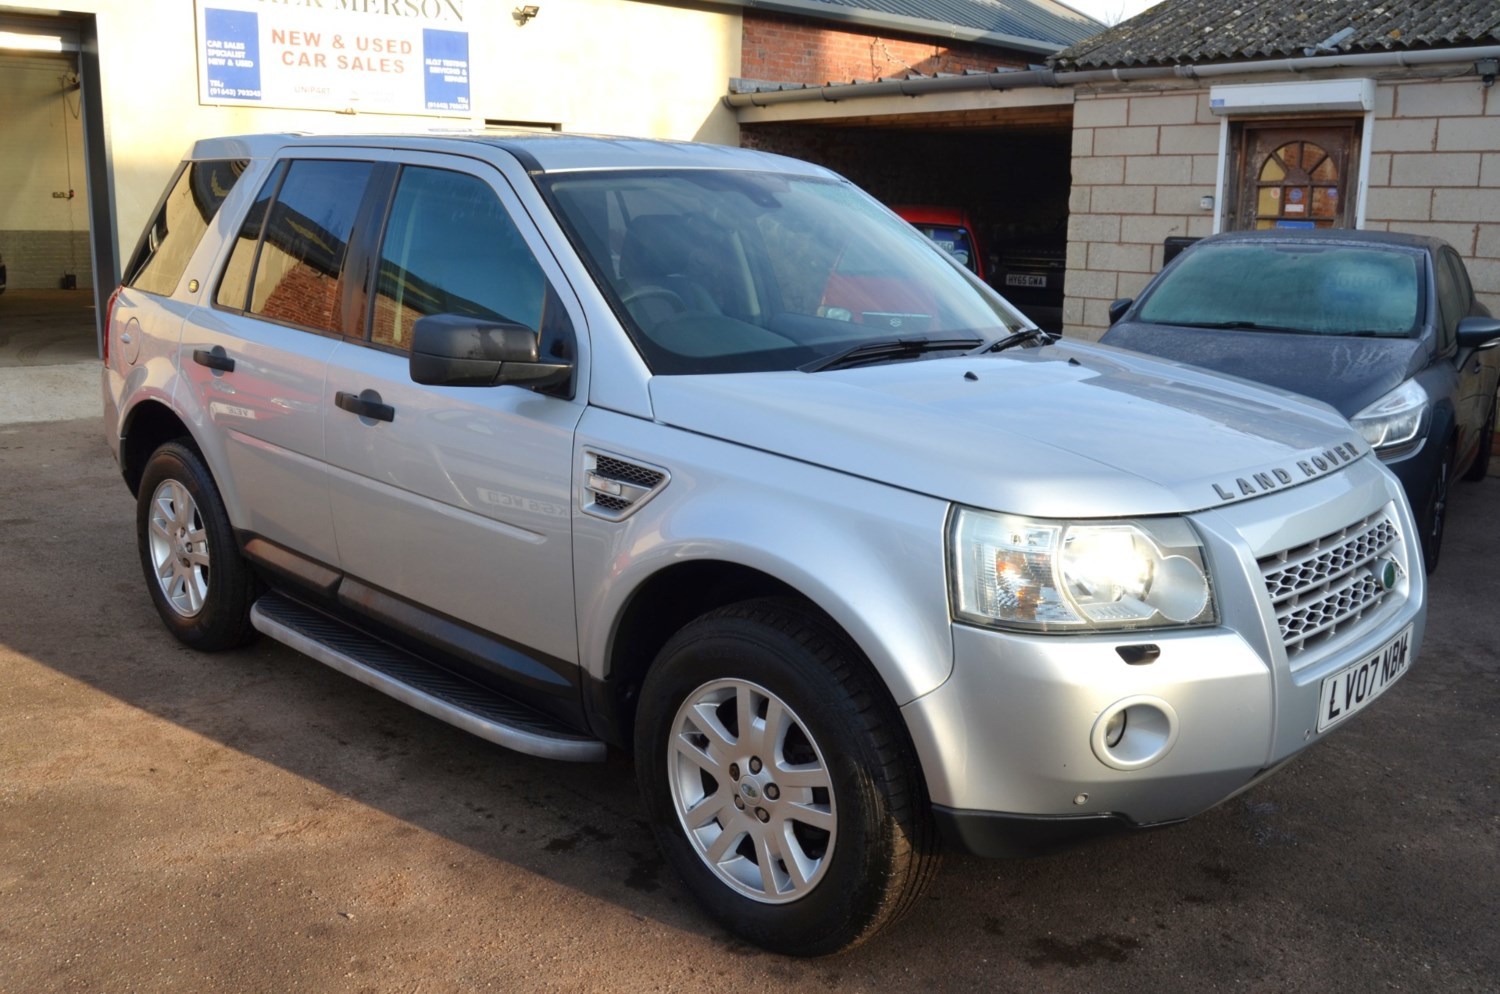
[(1307, 288), (725, 271)]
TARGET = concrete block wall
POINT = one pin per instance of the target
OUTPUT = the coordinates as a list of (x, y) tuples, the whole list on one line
[(38, 260), (1142, 164), (788, 50), (1435, 170)]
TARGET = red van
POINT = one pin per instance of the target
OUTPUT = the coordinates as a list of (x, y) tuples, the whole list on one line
[(952, 229)]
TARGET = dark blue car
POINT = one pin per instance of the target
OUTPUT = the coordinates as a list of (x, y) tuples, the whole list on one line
[(1382, 326)]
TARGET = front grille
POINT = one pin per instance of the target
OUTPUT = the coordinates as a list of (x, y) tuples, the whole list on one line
[(1324, 587)]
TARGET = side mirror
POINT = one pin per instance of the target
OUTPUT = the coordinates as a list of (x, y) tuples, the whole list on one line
[(1478, 333), (456, 351), (1118, 308)]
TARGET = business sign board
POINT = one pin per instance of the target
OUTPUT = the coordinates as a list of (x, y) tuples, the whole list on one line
[(368, 56)]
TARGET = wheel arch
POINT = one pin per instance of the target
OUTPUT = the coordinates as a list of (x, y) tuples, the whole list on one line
[(659, 606), (147, 426)]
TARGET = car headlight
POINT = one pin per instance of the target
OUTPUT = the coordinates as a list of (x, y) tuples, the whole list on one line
[(1033, 574), (1396, 420)]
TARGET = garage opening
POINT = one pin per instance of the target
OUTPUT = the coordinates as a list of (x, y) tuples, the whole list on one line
[(1011, 180), (51, 172)]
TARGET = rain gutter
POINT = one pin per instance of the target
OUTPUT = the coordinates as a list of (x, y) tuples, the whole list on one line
[(835, 93)]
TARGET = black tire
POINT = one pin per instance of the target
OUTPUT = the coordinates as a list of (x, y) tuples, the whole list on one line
[(205, 598), (882, 848), (1435, 516), (1480, 467)]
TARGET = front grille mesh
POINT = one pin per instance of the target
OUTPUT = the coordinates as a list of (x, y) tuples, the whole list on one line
[(1324, 587)]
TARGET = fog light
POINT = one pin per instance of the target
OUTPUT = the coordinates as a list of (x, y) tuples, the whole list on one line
[(1133, 733)]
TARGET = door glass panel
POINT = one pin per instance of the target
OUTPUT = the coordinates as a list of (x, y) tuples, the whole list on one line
[(169, 243), (1270, 200), (307, 236), (451, 248), (1326, 171), (234, 284), (1272, 171)]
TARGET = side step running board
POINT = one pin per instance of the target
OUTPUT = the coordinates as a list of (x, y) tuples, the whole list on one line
[(427, 688)]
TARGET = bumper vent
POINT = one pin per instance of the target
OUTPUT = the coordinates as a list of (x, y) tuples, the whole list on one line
[(615, 488), (1325, 587)]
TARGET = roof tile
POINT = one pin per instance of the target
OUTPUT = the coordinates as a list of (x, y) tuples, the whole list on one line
[(1177, 32)]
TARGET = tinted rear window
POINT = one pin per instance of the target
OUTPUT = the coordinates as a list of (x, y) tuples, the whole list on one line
[(169, 241), (1316, 289)]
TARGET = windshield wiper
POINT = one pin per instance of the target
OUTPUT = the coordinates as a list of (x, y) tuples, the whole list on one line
[(885, 348), (1023, 337)]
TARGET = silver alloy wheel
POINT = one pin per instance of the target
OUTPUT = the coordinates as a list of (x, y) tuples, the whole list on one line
[(179, 548), (752, 791)]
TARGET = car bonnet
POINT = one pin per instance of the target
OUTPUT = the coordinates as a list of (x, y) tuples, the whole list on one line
[(1059, 431), (1345, 372)]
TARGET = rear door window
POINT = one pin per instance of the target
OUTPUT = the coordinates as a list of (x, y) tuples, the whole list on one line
[(168, 243), (287, 264)]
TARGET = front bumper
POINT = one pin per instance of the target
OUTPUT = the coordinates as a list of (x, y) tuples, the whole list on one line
[(1010, 744)]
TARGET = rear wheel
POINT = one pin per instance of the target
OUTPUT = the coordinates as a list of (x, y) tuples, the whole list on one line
[(201, 587), (1436, 516), (779, 780), (1480, 467)]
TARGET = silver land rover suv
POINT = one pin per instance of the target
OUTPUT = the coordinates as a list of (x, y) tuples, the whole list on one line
[(583, 443)]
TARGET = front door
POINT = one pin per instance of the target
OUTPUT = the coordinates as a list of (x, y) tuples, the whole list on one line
[(460, 501), (1296, 176)]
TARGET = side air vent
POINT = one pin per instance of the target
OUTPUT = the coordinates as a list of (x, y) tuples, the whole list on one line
[(614, 488)]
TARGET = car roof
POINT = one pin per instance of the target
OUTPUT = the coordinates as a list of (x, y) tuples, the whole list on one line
[(1330, 236), (538, 151)]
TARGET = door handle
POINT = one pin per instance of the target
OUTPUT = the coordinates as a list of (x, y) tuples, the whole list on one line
[(214, 358), (366, 405)]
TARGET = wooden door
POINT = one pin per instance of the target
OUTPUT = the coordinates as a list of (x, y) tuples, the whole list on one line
[(1296, 176)]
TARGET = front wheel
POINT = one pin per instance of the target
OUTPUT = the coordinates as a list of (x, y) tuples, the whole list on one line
[(779, 780), (201, 587)]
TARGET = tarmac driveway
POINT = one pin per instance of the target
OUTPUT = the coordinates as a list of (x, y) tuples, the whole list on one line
[(254, 822)]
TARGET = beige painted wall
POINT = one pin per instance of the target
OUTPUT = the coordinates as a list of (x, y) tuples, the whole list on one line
[(1142, 162), (609, 66)]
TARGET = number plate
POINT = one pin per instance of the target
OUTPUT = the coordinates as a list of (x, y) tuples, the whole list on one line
[(1024, 279), (1352, 688)]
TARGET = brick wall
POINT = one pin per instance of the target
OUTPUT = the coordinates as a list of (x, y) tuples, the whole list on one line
[(1142, 163), (1435, 170), (788, 50)]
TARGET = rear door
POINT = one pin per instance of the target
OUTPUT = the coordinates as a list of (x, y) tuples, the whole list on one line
[(256, 360), (457, 499)]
